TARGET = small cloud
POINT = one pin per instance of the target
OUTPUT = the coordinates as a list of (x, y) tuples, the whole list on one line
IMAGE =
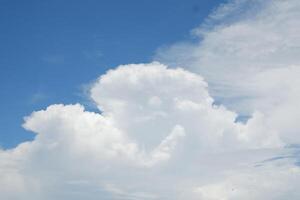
[(53, 58), (37, 97), (96, 54)]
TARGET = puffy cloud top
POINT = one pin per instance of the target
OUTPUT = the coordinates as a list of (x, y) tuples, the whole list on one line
[(152, 119)]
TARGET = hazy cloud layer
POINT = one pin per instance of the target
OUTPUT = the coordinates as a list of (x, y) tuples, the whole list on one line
[(173, 133), (247, 51)]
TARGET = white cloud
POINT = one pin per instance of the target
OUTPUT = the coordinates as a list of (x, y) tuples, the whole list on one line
[(152, 119), (267, 183), (159, 133), (248, 53), (242, 40)]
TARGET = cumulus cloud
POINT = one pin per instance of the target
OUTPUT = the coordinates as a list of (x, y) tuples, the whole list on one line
[(174, 133), (152, 119)]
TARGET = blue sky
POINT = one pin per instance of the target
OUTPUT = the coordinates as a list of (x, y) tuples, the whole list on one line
[(49, 49)]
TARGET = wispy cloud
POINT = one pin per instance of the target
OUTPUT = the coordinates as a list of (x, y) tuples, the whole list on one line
[(53, 58)]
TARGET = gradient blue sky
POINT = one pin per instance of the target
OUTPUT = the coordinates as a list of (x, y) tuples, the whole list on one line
[(50, 48)]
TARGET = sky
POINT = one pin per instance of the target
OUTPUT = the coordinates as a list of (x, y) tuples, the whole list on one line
[(134, 100), (51, 49)]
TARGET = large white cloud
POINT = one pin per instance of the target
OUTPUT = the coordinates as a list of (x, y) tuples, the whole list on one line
[(164, 133), (153, 122)]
